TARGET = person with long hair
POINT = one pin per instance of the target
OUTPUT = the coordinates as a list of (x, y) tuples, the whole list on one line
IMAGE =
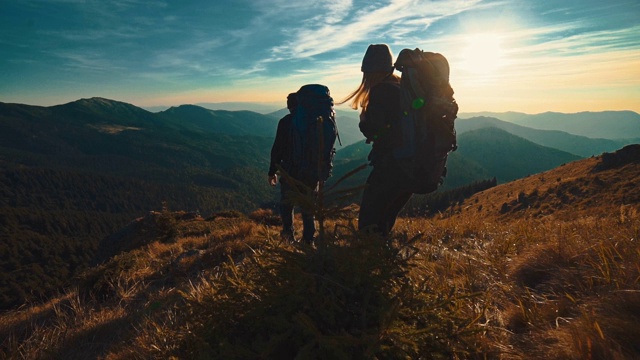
[(378, 97)]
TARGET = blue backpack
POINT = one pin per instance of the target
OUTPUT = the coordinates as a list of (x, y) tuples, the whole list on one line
[(427, 119), (313, 133)]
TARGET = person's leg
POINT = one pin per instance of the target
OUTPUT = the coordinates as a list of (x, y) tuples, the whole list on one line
[(394, 206), (369, 214), (308, 219), (373, 203), (286, 211), (382, 200), (309, 227)]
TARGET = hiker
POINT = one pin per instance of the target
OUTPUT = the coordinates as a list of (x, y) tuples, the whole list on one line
[(281, 153), (378, 96)]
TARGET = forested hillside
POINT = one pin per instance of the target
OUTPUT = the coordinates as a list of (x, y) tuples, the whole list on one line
[(506, 156), (72, 174)]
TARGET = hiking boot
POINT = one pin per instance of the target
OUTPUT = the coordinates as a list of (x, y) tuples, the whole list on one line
[(287, 236), (309, 242)]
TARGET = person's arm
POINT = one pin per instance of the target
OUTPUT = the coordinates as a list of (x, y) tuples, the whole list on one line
[(273, 179), (374, 121), (279, 147)]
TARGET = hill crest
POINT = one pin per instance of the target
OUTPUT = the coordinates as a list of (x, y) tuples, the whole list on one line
[(593, 187)]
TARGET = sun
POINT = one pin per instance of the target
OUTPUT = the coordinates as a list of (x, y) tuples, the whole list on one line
[(483, 53)]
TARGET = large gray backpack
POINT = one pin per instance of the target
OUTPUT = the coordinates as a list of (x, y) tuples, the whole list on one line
[(427, 122)]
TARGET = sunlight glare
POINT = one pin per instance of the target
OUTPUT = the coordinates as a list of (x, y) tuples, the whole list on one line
[(483, 53)]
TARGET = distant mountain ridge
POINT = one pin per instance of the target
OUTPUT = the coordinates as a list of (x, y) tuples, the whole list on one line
[(104, 128), (575, 144), (221, 121), (605, 124), (261, 108), (507, 156)]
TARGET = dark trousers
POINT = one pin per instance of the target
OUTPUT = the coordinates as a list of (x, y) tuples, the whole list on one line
[(288, 199), (382, 200)]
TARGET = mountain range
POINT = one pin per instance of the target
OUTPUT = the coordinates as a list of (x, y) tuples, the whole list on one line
[(72, 174), (262, 108), (604, 124), (575, 144)]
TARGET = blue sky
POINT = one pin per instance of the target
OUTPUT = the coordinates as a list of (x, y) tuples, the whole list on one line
[(505, 55)]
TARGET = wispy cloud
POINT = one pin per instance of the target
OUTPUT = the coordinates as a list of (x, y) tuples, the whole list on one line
[(396, 18), (87, 61), (337, 10), (87, 35)]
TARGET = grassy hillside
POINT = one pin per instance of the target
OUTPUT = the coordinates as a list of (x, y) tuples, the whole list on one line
[(595, 187), (552, 276)]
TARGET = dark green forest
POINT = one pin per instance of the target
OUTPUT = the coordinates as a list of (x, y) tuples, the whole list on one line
[(73, 174), (52, 220)]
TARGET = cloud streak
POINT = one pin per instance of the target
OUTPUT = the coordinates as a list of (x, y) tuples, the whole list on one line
[(396, 19)]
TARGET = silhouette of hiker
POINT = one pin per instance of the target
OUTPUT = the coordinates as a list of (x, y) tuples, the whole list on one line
[(379, 97), (281, 155)]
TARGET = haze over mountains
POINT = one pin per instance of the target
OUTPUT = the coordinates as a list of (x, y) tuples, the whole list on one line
[(604, 124), (71, 174), (562, 140)]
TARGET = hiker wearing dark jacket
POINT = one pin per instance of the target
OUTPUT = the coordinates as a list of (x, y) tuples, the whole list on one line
[(281, 156), (378, 95)]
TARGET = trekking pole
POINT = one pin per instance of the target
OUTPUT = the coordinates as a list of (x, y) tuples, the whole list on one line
[(320, 197)]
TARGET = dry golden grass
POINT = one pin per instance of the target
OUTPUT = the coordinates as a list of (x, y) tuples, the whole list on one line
[(580, 189), (554, 275)]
